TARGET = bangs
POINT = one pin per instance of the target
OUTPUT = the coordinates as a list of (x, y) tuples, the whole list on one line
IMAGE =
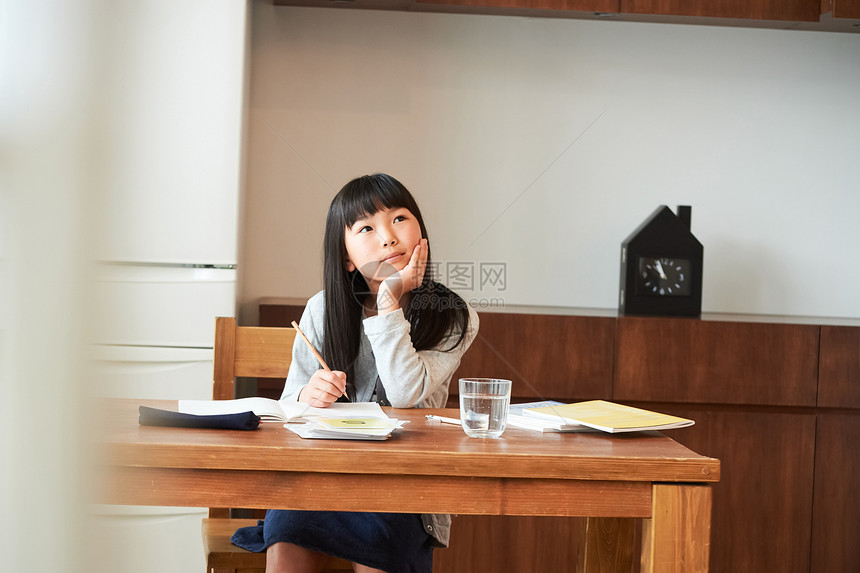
[(367, 195)]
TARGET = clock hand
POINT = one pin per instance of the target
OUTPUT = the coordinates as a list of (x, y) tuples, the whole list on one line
[(660, 270)]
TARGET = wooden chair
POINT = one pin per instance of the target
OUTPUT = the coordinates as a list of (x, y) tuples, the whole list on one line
[(244, 351)]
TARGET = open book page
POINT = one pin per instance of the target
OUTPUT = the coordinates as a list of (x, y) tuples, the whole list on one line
[(280, 410), (336, 410), (269, 410)]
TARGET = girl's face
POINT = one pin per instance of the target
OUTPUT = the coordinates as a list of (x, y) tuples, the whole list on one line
[(380, 244)]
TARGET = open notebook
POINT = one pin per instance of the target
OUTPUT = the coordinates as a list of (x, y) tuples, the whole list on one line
[(341, 420)]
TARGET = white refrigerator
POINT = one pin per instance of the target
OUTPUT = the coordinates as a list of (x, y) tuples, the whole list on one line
[(173, 84), (155, 335)]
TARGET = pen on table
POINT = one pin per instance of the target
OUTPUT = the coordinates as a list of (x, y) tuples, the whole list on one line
[(443, 419), (317, 354)]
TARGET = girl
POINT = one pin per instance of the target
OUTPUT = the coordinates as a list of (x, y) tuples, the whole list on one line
[(392, 335)]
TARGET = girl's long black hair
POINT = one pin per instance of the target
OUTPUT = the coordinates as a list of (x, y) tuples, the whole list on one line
[(434, 310)]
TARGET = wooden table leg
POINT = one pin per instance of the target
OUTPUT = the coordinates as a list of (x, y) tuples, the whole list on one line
[(607, 546), (677, 537)]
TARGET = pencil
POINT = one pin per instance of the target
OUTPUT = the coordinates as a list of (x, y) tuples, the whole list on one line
[(317, 354)]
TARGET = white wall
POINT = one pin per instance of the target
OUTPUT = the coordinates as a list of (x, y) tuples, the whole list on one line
[(542, 143)]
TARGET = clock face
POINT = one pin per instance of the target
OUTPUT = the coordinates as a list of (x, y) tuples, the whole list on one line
[(663, 276)]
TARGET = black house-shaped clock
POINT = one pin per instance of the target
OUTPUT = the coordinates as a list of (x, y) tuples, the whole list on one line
[(661, 267)]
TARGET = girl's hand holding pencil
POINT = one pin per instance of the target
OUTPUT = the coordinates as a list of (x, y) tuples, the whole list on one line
[(324, 388), (326, 385)]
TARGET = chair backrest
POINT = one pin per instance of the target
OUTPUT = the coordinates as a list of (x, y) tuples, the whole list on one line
[(252, 351)]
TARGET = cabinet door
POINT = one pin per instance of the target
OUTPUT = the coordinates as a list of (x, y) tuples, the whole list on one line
[(836, 524), (546, 356), (839, 370), (700, 361), (842, 8), (762, 506), (495, 543), (795, 10)]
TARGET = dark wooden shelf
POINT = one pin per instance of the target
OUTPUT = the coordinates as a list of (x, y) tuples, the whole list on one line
[(793, 10), (813, 15)]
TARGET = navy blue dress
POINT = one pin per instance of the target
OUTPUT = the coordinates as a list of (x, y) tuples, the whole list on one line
[(392, 542)]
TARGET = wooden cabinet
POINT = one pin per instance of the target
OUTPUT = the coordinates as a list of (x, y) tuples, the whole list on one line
[(794, 10), (777, 403)]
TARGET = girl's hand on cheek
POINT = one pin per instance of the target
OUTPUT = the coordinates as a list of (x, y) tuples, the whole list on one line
[(324, 388), (410, 278), (413, 273)]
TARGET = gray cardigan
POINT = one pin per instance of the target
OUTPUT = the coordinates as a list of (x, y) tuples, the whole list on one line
[(412, 379)]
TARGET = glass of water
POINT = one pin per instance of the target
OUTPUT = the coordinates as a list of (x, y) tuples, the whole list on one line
[(484, 406)]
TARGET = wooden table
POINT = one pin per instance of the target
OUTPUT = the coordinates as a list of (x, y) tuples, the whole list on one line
[(430, 467)]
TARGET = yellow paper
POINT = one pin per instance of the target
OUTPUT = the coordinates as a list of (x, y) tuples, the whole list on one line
[(356, 423)]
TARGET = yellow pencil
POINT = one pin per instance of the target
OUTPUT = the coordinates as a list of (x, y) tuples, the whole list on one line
[(317, 354)]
